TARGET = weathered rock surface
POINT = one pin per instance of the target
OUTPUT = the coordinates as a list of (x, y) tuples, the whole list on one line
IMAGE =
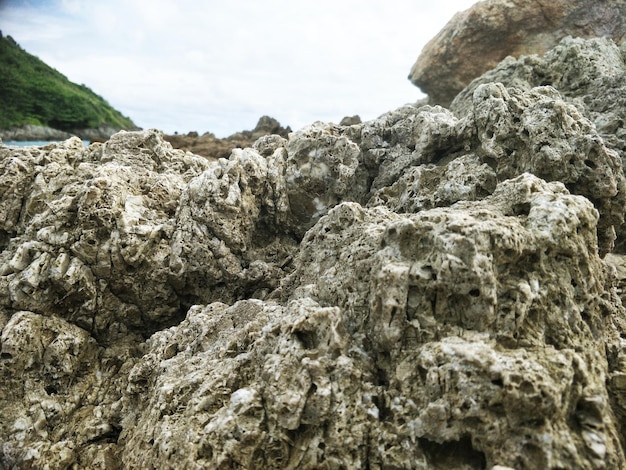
[(210, 146), (431, 289), (476, 40), (589, 74)]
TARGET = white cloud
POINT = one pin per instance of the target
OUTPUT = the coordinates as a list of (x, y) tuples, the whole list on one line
[(218, 66)]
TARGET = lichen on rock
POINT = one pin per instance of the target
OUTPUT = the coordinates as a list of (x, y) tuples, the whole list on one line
[(430, 289)]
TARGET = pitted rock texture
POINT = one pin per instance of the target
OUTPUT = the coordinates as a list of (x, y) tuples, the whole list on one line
[(588, 74), (430, 290), (477, 39)]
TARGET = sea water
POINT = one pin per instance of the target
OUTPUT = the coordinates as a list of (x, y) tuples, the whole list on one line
[(34, 143)]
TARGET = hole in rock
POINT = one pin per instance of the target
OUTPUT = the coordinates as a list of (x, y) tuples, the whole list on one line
[(498, 382), (453, 454), (383, 379), (205, 451), (474, 292), (4, 239), (440, 154), (149, 327), (112, 436), (423, 373), (527, 387), (590, 164), (521, 209), (383, 411), (6, 355), (307, 339), (51, 390)]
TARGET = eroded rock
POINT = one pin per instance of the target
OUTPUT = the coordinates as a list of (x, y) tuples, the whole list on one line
[(430, 289), (460, 336)]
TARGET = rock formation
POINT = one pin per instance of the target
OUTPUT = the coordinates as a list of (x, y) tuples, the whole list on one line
[(476, 40), (210, 146), (431, 289)]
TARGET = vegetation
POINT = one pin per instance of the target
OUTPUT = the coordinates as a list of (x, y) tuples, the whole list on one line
[(31, 92)]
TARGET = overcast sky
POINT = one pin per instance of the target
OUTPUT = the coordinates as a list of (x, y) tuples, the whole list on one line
[(215, 65)]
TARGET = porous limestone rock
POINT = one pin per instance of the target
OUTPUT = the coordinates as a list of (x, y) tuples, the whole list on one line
[(430, 289), (399, 338), (588, 74), (477, 39)]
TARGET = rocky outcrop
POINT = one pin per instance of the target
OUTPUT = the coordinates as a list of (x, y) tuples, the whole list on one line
[(425, 290), (476, 40), (350, 120), (210, 146)]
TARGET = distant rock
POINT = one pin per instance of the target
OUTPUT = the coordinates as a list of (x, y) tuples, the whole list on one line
[(477, 39), (210, 146), (101, 133), (350, 120)]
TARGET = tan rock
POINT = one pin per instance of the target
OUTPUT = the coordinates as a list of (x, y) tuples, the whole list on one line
[(475, 40)]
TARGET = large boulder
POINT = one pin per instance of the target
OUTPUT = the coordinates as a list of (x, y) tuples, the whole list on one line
[(430, 289), (477, 39)]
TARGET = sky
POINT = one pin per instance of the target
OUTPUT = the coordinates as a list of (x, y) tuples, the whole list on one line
[(218, 66)]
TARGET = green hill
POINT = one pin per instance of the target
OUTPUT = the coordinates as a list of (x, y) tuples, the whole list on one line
[(32, 92)]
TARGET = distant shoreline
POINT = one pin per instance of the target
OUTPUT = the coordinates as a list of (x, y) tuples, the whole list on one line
[(35, 143), (32, 133)]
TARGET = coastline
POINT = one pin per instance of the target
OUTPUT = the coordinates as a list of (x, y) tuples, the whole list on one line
[(31, 132), (34, 143)]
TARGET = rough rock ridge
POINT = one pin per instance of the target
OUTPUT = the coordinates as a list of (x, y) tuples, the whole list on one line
[(431, 289)]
